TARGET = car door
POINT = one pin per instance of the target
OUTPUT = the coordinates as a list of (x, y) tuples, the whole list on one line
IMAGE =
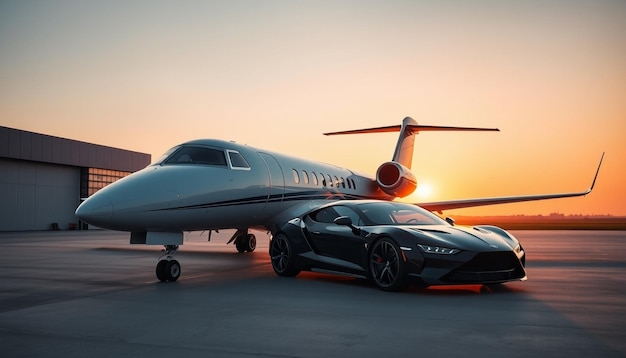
[(336, 241)]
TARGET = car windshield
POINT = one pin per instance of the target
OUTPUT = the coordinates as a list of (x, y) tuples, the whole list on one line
[(391, 213)]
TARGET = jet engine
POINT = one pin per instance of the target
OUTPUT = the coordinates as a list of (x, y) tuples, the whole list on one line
[(395, 179)]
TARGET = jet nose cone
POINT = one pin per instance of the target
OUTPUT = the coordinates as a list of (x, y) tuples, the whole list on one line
[(95, 209)]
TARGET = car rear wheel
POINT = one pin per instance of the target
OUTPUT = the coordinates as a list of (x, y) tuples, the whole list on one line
[(282, 256), (386, 265)]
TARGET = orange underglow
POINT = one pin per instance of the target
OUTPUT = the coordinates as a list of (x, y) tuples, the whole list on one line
[(468, 289), (276, 75), (444, 290)]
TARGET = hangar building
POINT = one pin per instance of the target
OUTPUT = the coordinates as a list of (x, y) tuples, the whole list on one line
[(43, 178)]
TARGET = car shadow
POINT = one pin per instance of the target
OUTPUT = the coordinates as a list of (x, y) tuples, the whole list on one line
[(442, 290)]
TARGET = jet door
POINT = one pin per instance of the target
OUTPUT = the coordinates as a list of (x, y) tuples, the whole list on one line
[(276, 187)]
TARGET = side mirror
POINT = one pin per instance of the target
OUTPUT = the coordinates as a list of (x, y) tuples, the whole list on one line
[(343, 220), (450, 220)]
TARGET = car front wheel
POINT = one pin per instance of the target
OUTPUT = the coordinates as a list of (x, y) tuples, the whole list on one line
[(386, 265)]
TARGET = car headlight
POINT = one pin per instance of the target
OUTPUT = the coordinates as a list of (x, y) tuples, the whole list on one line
[(438, 250)]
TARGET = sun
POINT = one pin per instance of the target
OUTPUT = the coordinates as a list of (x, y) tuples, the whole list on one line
[(423, 191)]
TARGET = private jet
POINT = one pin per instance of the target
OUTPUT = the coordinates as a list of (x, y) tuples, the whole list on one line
[(212, 184)]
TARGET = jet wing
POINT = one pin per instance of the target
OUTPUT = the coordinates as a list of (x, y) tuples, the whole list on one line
[(466, 203)]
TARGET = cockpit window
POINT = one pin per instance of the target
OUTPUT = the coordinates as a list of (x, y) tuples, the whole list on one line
[(237, 161), (165, 155), (196, 155)]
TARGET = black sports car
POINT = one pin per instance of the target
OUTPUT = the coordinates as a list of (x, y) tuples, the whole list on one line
[(395, 244)]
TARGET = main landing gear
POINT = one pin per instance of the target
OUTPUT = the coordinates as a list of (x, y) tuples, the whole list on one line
[(246, 243), (168, 269)]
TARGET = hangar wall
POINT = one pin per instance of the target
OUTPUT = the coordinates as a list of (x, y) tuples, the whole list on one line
[(35, 195), (42, 177)]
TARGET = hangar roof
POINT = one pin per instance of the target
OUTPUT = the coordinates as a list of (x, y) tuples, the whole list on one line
[(24, 145)]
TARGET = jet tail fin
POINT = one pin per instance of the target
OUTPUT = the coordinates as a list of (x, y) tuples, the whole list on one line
[(403, 153)]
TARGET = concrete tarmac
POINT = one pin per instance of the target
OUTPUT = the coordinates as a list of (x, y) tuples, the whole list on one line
[(79, 294)]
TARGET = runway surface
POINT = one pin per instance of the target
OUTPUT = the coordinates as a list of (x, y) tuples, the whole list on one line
[(77, 294)]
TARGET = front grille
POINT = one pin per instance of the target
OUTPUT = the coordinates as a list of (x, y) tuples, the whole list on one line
[(488, 267)]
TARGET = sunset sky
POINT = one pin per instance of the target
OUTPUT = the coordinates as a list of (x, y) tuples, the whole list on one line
[(147, 75)]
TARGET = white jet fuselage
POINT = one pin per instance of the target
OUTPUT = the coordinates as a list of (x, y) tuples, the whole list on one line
[(191, 195)]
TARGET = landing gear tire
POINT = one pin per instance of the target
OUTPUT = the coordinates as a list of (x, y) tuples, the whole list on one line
[(168, 270), (246, 243), (386, 266), (172, 270), (160, 270), (282, 256)]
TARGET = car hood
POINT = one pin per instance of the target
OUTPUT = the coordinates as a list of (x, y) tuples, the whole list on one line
[(464, 238)]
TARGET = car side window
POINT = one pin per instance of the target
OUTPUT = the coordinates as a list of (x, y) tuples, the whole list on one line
[(325, 215), (328, 215)]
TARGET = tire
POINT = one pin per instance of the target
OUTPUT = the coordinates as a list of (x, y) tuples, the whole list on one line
[(250, 242), (246, 243), (282, 256), (386, 265), (172, 270), (240, 244), (160, 270)]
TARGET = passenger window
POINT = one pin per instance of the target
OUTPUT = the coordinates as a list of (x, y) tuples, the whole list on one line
[(349, 185), (305, 176), (197, 155), (296, 177), (330, 180), (336, 182), (314, 176), (237, 161), (323, 179)]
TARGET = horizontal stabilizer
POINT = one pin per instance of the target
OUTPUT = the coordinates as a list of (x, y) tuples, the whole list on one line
[(413, 128), (467, 203), (403, 153)]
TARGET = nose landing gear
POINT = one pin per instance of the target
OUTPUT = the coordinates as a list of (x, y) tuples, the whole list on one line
[(168, 269)]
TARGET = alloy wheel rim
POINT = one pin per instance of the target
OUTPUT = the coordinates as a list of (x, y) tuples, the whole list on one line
[(280, 254), (384, 264)]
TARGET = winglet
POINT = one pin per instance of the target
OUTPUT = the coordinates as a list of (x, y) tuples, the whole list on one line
[(596, 176)]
